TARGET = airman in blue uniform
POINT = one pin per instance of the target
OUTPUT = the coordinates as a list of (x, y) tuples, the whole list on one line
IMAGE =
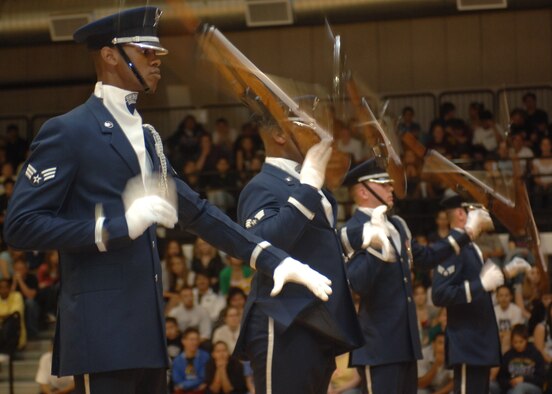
[(462, 283), (110, 328), (380, 271), (292, 339)]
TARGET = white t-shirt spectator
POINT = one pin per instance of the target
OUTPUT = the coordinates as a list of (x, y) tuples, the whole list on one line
[(486, 138), (194, 317), (226, 335), (441, 378), (44, 374), (211, 302), (506, 319), (353, 147)]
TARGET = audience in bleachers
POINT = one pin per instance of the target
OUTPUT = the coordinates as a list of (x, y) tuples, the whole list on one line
[(15, 146), (344, 380), (535, 119), (433, 376), (346, 143), (172, 248), (50, 384), (184, 143), (205, 292), (223, 373), (442, 229), (190, 367), (7, 257), (207, 298), (224, 137), (491, 247), (426, 313), (488, 134), (13, 333), (230, 330), (407, 123), (48, 276), (507, 315), (236, 274), (222, 186), (543, 336), (474, 115), (522, 370), (180, 277), (438, 140), (188, 314), (207, 261), (26, 284)]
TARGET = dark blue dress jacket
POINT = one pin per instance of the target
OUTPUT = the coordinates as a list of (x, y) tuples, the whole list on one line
[(110, 313), (265, 208), (472, 333), (387, 312)]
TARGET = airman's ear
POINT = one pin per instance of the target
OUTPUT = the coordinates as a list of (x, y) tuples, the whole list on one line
[(274, 133), (279, 136), (108, 55)]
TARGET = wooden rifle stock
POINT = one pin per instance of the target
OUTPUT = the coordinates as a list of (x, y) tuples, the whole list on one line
[(375, 137), (516, 216), (264, 97)]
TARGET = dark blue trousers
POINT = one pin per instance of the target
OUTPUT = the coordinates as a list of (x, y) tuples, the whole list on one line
[(292, 361), (399, 378), (128, 381), (469, 379)]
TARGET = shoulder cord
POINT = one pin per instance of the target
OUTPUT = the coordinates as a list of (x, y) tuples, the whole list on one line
[(162, 160)]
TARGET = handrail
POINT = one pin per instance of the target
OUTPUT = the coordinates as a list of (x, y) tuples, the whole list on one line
[(435, 96)]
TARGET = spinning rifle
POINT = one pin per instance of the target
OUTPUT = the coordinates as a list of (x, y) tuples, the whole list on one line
[(515, 215)]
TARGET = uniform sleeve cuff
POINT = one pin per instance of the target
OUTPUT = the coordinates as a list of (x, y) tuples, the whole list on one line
[(256, 252)]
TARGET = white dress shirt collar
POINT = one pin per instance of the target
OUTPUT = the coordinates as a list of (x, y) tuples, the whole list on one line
[(286, 165)]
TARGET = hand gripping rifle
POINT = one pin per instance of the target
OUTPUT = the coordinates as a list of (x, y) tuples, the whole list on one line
[(516, 215), (264, 97)]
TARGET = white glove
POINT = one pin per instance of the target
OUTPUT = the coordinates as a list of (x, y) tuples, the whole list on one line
[(375, 234), (379, 219), (516, 266), (478, 221), (491, 276), (313, 170), (291, 270), (145, 211)]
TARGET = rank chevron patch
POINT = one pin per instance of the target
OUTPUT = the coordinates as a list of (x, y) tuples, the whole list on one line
[(445, 271), (39, 177)]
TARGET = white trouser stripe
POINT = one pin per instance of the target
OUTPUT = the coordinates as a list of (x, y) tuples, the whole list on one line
[(86, 383), (269, 355), (98, 234), (468, 291), (368, 380), (463, 383)]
